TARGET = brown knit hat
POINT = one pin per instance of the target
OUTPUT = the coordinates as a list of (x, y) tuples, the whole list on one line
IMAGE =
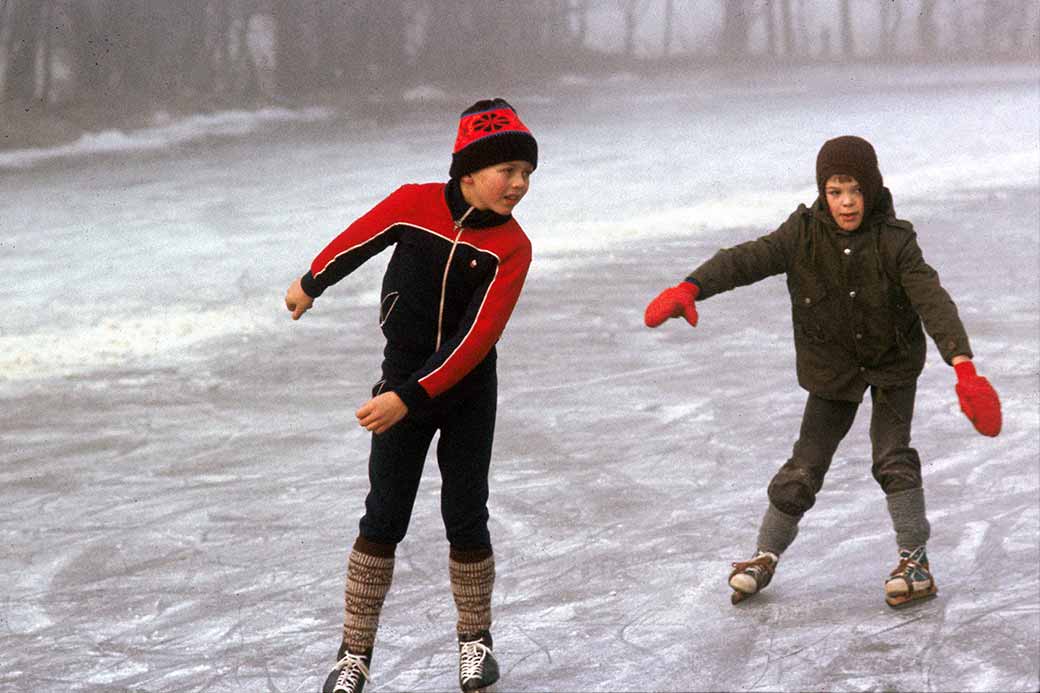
[(851, 156)]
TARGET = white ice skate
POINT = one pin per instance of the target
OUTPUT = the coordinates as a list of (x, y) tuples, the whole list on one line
[(749, 577), (911, 580)]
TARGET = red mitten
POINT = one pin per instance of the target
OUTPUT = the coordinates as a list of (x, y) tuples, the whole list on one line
[(979, 400), (671, 303)]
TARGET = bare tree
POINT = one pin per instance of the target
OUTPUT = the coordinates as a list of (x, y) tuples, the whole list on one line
[(770, 24), (291, 68), (848, 44), (669, 20), (926, 27), (631, 12), (245, 72), (47, 53), (114, 56), (26, 31), (805, 22), (5, 34), (891, 13), (787, 28), (580, 9), (194, 44), (442, 27), (1018, 28), (733, 42), (1004, 29), (89, 62)]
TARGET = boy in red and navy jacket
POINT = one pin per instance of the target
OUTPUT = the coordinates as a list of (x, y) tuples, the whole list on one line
[(459, 264)]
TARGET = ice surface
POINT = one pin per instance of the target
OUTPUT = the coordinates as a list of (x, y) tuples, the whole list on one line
[(181, 476)]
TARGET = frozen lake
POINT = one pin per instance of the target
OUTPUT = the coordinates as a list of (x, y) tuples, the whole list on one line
[(181, 474)]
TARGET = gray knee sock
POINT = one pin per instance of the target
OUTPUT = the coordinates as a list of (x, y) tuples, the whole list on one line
[(908, 517), (777, 531)]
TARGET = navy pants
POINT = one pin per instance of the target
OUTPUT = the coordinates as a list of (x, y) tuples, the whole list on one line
[(465, 417), (896, 466)]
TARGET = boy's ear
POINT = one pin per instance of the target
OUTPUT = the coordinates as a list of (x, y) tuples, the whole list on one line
[(467, 179)]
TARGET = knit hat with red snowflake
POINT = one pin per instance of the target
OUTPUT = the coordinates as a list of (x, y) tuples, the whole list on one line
[(491, 132)]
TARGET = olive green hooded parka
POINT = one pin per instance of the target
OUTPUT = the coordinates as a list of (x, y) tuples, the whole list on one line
[(858, 298)]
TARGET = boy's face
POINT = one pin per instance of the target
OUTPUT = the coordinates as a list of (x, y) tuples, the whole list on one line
[(845, 200), (499, 187)]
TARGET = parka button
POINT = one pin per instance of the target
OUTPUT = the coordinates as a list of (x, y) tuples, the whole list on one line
[(859, 335), (848, 251), (852, 294), (808, 300)]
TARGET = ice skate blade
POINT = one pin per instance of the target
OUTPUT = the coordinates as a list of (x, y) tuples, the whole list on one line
[(905, 600), (738, 596)]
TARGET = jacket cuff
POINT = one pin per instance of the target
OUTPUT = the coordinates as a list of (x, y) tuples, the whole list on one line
[(953, 347), (413, 395), (691, 287), (311, 286)]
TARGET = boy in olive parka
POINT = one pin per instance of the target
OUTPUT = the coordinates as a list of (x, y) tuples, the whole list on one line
[(860, 292)]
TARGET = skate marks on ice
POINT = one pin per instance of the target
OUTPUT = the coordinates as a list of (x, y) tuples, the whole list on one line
[(185, 527), (146, 543), (681, 459), (843, 637), (210, 528)]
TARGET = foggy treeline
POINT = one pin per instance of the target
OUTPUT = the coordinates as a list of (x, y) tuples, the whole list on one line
[(135, 55)]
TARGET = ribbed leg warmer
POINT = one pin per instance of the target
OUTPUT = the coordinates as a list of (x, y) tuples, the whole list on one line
[(368, 581), (472, 580), (777, 531), (908, 518)]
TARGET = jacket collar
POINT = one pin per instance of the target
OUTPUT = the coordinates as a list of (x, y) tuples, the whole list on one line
[(478, 218)]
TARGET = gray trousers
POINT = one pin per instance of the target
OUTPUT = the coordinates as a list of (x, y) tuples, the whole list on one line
[(896, 466)]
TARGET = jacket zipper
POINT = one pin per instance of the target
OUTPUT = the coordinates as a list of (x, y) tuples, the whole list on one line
[(444, 281)]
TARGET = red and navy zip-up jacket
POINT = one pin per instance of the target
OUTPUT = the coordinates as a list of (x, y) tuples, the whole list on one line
[(452, 283)]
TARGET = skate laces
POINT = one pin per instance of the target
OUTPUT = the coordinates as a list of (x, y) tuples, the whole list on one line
[(471, 659), (762, 562), (352, 666), (913, 563)]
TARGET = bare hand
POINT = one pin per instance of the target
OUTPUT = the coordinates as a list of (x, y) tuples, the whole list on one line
[(381, 412), (297, 300)]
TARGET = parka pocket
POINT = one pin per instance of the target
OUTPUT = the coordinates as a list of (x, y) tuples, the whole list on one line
[(808, 294), (808, 301), (905, 328), (902, 343)]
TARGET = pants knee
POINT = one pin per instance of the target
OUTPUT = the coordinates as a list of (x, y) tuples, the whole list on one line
[(793, 491), (470, 533), (899, 474), (382, 530), (899, 480)]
